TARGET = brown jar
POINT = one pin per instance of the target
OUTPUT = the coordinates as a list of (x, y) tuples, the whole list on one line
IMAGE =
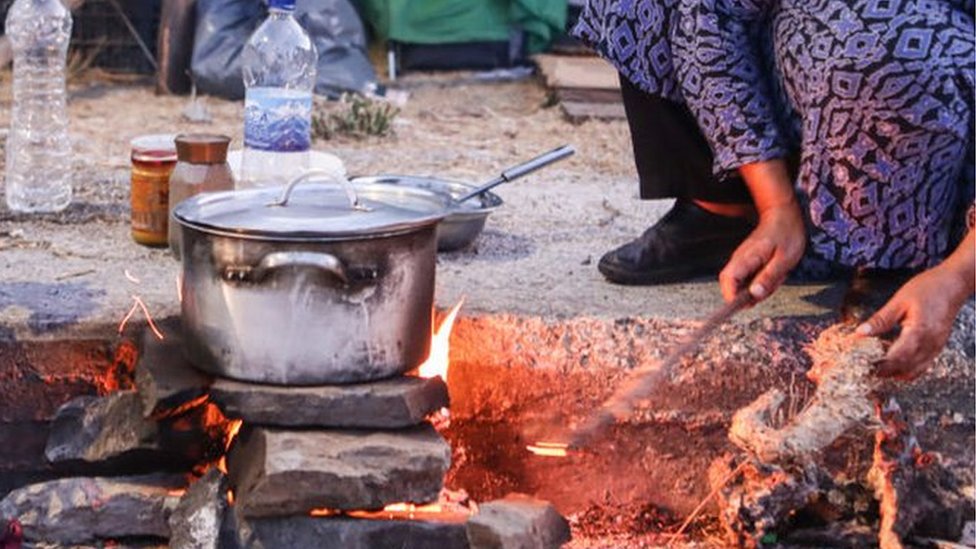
[(201, 167), (153, 159)]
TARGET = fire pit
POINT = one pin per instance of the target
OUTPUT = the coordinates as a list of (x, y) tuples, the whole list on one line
[(540, 340)]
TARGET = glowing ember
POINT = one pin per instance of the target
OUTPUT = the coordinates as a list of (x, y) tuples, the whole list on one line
[(230, 497), (549, 449), (176, 493), (438, 361), (179, 410), (136, 305), (397, 511)]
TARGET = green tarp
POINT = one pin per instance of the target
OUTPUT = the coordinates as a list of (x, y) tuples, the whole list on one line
[(453, 21)]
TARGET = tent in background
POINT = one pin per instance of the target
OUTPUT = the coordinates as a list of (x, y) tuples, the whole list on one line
[(445, 34)]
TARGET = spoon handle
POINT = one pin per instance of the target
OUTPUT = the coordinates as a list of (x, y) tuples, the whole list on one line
[(522, 169)]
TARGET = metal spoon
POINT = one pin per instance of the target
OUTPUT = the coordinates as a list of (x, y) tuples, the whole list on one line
[(521, 169)]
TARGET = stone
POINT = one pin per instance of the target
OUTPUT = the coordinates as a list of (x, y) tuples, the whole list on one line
[(275, 472), (84, 509), (165, 380), (517, 522), (110, 436), (352, 533), (385, 404), (197, 519), (93, 429)]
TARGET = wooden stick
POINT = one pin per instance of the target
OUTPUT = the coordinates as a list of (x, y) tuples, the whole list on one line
[(621, 404)]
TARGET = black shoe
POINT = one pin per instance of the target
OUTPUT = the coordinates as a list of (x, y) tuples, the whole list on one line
[(688, 242), (870, 289)]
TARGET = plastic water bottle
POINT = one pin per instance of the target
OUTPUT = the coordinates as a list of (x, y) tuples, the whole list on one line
[(38, 167), (279, 76)]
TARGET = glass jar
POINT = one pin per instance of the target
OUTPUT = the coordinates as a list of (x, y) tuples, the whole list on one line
[(153, 159), (201, 167)]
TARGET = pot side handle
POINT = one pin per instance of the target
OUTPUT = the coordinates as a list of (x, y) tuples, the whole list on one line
[(318, 260)]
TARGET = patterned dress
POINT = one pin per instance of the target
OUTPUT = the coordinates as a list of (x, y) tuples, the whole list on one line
[(874, 96)]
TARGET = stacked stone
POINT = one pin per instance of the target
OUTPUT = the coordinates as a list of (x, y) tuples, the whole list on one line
[(304, 458), (330, 449)]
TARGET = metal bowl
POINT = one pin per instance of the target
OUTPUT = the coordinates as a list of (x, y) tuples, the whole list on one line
[(465, 222)]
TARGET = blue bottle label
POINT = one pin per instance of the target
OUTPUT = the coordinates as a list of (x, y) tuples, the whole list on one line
[(277, 120)]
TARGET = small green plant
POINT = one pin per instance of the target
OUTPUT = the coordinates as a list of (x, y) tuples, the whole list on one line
[(354, 116)]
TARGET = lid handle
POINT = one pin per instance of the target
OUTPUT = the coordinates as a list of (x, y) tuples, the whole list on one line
[(354, 202)]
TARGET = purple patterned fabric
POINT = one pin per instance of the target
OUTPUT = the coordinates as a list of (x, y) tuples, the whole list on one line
[(875, 96)]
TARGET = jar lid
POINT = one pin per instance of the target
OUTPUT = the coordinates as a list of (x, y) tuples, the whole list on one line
[(202, 148), (155, 147), (314, 211)]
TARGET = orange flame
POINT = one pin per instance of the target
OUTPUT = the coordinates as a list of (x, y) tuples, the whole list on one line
[(438, 361), (178, 493), (549, 449), (391, 511), (232, 430), (230, 497)]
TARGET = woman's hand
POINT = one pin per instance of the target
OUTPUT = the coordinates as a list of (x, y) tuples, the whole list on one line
[(767, 255), (776, 245), (925, 309)]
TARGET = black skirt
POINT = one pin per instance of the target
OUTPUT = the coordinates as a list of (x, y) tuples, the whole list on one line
[(672, 156)]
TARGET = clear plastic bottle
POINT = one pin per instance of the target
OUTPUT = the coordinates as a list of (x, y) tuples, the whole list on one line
[(38, 177), (279, 76)]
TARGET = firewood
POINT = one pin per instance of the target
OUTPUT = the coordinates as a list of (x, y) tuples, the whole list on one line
[(915, 492), (843, 371)]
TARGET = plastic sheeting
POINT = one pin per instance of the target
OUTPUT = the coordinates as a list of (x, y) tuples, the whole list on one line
[(223, 27), (458, 21)]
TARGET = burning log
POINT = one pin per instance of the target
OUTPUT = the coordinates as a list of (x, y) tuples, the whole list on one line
[(915, 492), (756, 499), (779, 481), (843, 366)]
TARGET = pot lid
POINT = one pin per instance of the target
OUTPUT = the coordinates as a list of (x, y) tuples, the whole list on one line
[(314, 210)]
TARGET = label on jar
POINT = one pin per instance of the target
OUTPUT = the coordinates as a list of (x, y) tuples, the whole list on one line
[(150, 203), (277, 119)]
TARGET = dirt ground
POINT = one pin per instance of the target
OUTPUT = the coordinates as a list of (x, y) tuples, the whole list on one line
[(455, 125)]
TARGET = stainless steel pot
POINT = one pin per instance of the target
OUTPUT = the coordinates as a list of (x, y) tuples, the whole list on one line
[(329, 284)]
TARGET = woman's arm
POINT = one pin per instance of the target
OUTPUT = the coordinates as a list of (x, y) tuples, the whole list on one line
[(776, 245), (925, 309)]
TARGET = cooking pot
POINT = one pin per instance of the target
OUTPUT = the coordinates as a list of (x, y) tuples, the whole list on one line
[(311, 284)]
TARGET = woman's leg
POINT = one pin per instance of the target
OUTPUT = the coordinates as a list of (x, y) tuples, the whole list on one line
[(709, 218), (887, 124)]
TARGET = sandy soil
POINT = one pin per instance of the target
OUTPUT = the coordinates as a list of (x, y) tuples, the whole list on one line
[(451, 125)]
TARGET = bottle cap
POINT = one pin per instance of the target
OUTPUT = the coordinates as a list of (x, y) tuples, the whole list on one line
[(282, 4), (202, 148)]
